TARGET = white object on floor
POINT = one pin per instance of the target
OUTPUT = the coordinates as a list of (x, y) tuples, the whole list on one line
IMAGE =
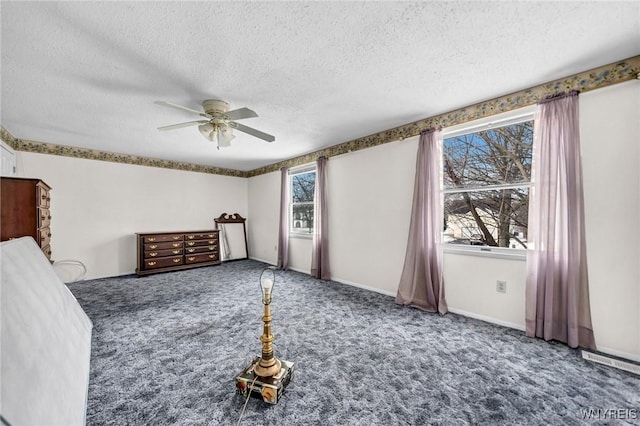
[(70, 271), (46, 341)]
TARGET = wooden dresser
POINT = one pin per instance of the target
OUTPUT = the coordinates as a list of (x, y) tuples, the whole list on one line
[(26, 211), (173, 251)]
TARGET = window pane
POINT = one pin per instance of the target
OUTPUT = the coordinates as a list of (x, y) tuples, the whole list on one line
[(302, 187), (489, 157), (490, 218), (302, 218)]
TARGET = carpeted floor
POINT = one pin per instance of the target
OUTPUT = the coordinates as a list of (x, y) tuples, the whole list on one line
[(166, 349)]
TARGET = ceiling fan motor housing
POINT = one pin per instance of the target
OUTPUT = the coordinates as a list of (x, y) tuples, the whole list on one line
[(215, 106)]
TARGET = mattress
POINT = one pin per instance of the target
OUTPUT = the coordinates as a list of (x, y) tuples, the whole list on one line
[(45, 341)]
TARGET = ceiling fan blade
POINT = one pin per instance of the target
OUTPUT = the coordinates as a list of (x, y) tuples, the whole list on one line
[(240, 113), (252, 131), (179, 125), (169, 104)]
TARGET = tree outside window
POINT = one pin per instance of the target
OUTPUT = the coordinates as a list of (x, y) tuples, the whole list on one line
[(487, 174), (302, 202)]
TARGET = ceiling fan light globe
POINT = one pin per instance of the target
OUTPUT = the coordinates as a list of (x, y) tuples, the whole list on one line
[(225, 136), (206, 130)]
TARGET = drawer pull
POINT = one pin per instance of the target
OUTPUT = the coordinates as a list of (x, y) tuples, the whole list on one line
[(212, 247), (177, 260), (210, 235), (176, 237), (151, 263), (191, 243), (211, 242), (153, 254), (191, 250), (176, 251), (176, 244), (191, 237), (212, 256), (191, 259), (151, 239), (154, 246)]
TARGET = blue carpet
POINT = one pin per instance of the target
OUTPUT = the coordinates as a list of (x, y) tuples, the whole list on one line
[(166, 349)]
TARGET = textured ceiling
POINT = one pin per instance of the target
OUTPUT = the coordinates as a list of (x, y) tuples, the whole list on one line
[(86, 74)]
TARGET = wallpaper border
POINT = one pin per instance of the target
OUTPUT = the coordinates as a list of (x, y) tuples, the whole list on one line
[(596, 78), (113, 157), (606, 75)]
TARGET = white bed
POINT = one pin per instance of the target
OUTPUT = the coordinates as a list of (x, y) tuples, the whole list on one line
[(45, 341)]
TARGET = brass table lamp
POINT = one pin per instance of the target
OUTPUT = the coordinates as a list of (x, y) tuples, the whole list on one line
[(266, 376), (268, 365)]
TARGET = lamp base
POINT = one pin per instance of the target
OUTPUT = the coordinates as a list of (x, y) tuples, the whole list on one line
[(269, 389)]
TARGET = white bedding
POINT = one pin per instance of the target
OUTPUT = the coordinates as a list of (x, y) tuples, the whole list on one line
[(45, 341)]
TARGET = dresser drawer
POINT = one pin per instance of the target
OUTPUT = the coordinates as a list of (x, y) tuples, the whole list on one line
[(203, 257), (200, 249), (196, 243), (43, 198), (163, 262), (47, 251), (45, 237), (159, 252), (205, 236), (162, 238), (163, 246), (44, 217), (162, 253)]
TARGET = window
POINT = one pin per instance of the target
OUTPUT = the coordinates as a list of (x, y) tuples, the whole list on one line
[(303, 185), (487, 173)]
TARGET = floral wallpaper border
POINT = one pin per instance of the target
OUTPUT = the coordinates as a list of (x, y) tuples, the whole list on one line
[(618, 72), (92, 154), (596, 78)]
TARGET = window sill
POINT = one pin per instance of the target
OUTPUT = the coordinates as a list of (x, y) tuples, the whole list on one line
[(300, 235), (483, 251)]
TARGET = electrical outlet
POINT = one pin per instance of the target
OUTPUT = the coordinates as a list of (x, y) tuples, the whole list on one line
[(501, 286)]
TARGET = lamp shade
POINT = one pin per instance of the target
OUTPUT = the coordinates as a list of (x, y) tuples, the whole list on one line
[(206, 130), (267, 281), (225, 136)]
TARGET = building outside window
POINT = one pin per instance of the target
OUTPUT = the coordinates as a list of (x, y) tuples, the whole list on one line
[(487, 174), (302, 185)]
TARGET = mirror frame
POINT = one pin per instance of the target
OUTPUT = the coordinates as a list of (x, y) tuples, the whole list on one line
[(225, 218)]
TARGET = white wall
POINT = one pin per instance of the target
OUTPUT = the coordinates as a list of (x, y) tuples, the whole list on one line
[(370, 196), (264, 211), (370, 193), (98, 206), (610, 133)]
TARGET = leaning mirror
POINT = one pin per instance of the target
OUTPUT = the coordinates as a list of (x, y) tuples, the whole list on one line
[(233, 236)]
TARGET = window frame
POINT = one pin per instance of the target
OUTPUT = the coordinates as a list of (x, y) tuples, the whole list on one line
[(308, 168), (495, 121)]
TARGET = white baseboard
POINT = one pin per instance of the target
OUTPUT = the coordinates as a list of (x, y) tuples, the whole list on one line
[(487, 319), (618, 353), (268, 262), (365, 287), (271, 263)]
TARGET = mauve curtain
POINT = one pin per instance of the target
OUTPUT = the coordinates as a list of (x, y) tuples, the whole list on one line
[(283, 233), (320, 255), (557, 289), (421, 284)]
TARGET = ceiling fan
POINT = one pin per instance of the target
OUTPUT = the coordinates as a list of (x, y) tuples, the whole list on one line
[(218, 123)]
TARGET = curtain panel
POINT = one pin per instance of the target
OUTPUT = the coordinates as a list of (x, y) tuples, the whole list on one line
[(421, 284), (557, 286), (283, 233), (320, 254)]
